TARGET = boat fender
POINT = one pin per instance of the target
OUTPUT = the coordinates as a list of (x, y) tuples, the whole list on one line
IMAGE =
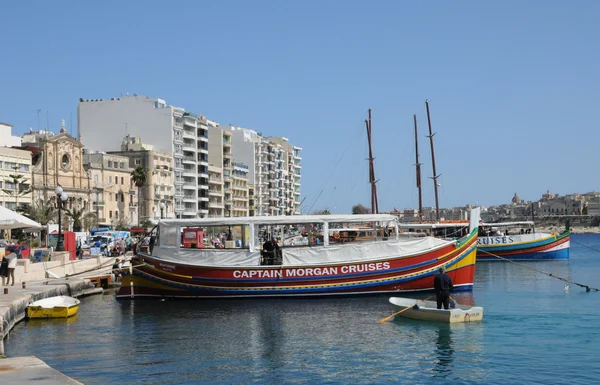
[(415, 307), (336, 236)]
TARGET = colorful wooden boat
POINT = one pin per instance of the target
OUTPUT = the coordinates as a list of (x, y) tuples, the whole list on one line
[(520, 241), (53, 307), (384, 265), (428, 311)]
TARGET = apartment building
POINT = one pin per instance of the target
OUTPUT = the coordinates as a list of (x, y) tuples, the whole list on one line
[(15, 177), (113, 193), (239, 188), (159, 190), (216, 204), (274, 172), (171, 131), (6, 137), (220, 158)]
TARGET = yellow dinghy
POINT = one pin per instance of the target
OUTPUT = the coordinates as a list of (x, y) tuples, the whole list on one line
[(54, 307), (428, 311)]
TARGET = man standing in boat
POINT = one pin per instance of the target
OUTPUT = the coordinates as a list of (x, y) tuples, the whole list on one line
[(270, 249), (442, 283)]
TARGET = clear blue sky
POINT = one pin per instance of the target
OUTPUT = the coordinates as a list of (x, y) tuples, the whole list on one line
[(512, 85)]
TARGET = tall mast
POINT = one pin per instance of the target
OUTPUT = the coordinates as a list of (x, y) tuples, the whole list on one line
[(435, 175), (374, 204), (418, 165)]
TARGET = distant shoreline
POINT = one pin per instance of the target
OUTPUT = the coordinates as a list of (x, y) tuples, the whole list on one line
[(574, 230)]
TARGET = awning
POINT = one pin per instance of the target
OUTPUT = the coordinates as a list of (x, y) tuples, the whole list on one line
[(12, 220)]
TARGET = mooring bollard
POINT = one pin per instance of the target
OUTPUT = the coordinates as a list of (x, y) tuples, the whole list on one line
[(24, 285)]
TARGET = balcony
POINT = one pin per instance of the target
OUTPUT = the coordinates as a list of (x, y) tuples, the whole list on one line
[(189, 198), (189, 134), (214, 192), (189, 160), (191, 172), (189, 187), (189, 121)]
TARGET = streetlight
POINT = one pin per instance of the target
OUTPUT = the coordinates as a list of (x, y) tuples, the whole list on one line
[(60, 198), (162, 208)]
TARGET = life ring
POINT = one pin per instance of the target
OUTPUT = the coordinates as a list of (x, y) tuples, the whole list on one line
[(336, 236)]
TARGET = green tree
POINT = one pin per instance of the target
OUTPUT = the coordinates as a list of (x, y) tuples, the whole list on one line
[(360, 209), (90, 220), (40, 211), (139, 177), (122, 224), (146, 224), (322, 212), (18, 180), (77, 217)]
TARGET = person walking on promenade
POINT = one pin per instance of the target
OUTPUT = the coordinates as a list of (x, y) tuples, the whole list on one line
[(12, 265), (442, 283), (4, 270)]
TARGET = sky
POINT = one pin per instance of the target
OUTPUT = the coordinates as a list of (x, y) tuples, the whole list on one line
[(512, 85)]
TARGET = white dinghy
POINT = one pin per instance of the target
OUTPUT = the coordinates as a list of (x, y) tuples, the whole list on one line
[(428, 311)]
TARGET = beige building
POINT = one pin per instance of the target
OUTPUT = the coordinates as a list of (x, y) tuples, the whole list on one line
[(159, 187), (114, 195), (57, 160), (17, 163), (216, 205), (239, 188)]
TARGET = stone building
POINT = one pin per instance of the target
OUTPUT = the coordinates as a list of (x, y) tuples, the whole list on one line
[(57, 161)]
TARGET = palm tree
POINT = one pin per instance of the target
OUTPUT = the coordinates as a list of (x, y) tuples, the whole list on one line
[(139, 177), (40, 211), (17, 180), (90, 220), (77, 217)]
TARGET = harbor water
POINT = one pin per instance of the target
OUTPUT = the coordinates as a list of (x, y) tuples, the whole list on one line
[(535, 331)]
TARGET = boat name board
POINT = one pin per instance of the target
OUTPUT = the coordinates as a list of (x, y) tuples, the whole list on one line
[(311, 271), (495, 240)]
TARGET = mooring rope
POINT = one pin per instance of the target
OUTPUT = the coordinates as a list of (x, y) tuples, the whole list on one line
[(587, 287), (589, 247)]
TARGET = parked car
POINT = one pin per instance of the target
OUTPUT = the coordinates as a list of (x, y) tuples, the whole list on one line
[(22, 251)]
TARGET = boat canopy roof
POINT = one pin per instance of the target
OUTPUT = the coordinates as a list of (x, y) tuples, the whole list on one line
[(431, 225), (509, 224), (278, 220)]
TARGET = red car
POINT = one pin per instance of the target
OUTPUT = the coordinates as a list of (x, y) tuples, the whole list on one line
[(23, 251)]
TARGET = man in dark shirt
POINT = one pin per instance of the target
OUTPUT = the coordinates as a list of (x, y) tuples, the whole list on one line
[(269, 250), (443, 286)]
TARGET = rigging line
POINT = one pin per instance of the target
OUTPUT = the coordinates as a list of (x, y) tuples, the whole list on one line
[(589, 247), (334, 168), (587, 288), (315, 201)]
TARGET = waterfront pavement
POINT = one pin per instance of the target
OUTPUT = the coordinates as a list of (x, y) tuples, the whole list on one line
[(13, 308)]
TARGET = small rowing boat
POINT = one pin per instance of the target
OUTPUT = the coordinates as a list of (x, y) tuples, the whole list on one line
[(53, 307), (428, 311)]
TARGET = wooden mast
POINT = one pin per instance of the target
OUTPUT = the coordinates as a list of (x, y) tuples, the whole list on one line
[(374, 204), (435, 175), (418, 165)]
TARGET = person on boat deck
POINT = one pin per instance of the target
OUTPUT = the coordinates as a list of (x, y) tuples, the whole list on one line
[(442, 283), (116, 268), (269, 250)]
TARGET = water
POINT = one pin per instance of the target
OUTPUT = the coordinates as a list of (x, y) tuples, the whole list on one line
[(533, 333)]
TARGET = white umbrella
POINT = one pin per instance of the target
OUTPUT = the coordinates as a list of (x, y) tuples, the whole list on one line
[(12, 220)]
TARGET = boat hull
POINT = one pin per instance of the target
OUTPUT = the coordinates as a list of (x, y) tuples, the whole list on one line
[(53, 307), (550, 247), (427, 311), (153, 277)]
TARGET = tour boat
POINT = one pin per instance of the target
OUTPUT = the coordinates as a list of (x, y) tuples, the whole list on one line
[(381, 265), (428, 311), (520, 241), (53, 307)]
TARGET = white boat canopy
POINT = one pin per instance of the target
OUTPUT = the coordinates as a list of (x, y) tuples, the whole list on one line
[(279, 220), (509, 224), (12, 220)]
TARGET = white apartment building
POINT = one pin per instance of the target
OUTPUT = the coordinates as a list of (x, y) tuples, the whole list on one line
[(15, 163), (274, 171), (6, 137), (170, 130)]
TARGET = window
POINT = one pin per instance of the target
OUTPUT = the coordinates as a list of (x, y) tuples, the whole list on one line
[(23, 167), (116, 214), (109, 179), (0, 164), (122, 178), (121, 165), (110, 164), (0, 184), (9, 185), (96, 178), (138, 162), (116, 179), (110, 214), (9, 165), (65, 162), (11, 205), (110, 197)]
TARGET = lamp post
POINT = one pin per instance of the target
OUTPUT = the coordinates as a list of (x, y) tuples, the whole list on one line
[(162, 210), (60, 198)]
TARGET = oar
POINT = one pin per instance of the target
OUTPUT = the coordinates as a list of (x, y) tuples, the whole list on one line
[(384, 320)]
